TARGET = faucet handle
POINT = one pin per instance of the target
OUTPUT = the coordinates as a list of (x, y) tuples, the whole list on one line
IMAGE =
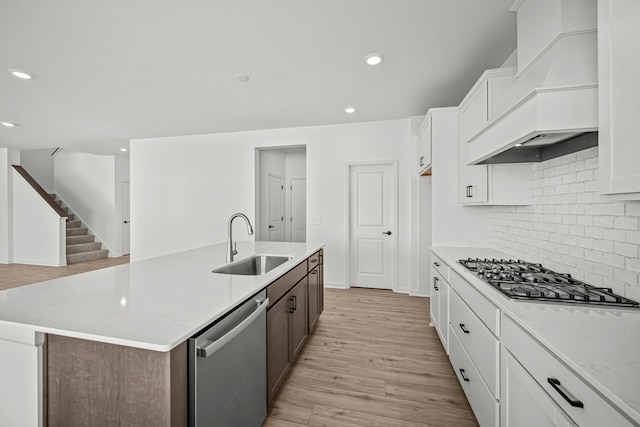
[(235, 248)]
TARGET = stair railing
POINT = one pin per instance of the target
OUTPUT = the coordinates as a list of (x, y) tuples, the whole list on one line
[(41, 191)]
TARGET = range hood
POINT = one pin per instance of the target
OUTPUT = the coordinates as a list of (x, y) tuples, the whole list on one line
[(552, 107), (544, 147)]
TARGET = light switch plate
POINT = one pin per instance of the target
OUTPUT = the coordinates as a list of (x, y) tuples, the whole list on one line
[(316, 221)]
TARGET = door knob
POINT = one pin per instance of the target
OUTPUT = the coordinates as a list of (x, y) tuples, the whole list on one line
[(126, 222), (388, 233), (271, 226)]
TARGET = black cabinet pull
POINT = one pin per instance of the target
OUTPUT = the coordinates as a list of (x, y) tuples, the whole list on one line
[(314, 272), (313, 261), (293, 304), (555, 383), (421, 161), (435, 284), (471, 191), (463, 375), (436, 264), (464, 329)]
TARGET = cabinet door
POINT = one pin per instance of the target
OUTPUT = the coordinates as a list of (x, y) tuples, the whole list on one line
[(313, 297), (618, 100), (465, 123), (298, 320), (321, 287), (277, 345), (425, 145), (524, 403), (443, 313), (474, 181), (479, 108), (435, 297)]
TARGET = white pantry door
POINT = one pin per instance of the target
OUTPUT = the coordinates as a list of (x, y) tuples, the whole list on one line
[(298, 210), (276, 209), (373, 208)]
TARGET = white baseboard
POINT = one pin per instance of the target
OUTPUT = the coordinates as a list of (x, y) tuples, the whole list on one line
[(336, 285), (30, 262)]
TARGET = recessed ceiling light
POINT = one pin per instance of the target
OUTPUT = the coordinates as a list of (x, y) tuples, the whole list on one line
[(21, 74), (242, 78), (8, 124), (373, 58), (124, 149), (350, 110)]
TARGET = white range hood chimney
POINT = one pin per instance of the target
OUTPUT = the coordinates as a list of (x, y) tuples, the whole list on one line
[(555, 93)]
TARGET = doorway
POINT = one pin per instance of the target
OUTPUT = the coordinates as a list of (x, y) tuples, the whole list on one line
[(281, 195), (373, 203)]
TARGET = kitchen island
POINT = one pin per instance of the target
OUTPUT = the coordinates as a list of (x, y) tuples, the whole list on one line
[(150, 307)]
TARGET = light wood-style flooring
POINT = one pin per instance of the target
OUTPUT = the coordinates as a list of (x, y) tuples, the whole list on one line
[(14, 275), (373, 360)]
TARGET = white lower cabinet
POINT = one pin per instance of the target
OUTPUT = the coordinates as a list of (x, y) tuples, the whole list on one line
[(484, 406), (477, 340), (583, 405), (524, 403), (509, 378), (440, 306)]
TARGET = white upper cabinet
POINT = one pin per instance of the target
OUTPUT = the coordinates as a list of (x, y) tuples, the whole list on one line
[(424, 145), (484, 101), (619, 98), (494, 184)]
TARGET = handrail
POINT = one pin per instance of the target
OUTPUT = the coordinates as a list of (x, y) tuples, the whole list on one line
[(41, 191)]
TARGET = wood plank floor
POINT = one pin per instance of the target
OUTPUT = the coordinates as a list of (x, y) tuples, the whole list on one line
[(373, 360), (14, 275)]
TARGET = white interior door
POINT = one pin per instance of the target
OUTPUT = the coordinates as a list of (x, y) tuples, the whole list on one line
[(373, 240), (126, 218), (298, 210), (275, 209)]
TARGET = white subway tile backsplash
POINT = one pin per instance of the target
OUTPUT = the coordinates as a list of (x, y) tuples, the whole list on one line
[(568, 228)]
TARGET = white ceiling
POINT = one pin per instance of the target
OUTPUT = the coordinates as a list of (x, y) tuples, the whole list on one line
[(113, 70)]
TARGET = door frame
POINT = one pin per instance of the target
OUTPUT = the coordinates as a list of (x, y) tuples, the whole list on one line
[(347, 201), (283, 206), (289, 205)]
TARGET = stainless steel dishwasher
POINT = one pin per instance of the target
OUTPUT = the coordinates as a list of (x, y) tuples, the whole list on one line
[(228, 369)]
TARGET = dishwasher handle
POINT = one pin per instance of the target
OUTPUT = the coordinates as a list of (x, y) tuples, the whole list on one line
[(216, 345)]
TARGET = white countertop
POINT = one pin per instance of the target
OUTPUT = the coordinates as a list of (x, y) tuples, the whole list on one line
[(601, 344), (154, 304)]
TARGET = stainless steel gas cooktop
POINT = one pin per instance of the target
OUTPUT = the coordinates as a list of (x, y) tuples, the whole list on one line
[(529, 281)]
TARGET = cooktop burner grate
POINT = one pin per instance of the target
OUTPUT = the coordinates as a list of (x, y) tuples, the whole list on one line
[(529, 281)]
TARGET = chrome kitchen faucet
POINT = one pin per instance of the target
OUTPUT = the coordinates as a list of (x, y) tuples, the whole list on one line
[(231, 247)]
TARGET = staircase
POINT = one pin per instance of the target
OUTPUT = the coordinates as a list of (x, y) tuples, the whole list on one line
[(81, 246)]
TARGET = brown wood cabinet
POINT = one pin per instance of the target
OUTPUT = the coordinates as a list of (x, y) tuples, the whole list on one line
[(91, 383), (291, 318), (314, 297)]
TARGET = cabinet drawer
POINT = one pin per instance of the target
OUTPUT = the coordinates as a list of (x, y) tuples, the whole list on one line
[(483, 348), (281, 286), (544, 367), (481, 306), (440, 266), (484, 406), (314, 261)]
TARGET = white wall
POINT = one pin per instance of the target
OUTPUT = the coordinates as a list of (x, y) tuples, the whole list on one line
[(86, 183), (39, 164), (38, 231), (183, 189), (569, 230), (8, 157)]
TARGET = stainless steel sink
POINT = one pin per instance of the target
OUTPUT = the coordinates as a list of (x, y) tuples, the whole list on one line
[(253, 265)]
